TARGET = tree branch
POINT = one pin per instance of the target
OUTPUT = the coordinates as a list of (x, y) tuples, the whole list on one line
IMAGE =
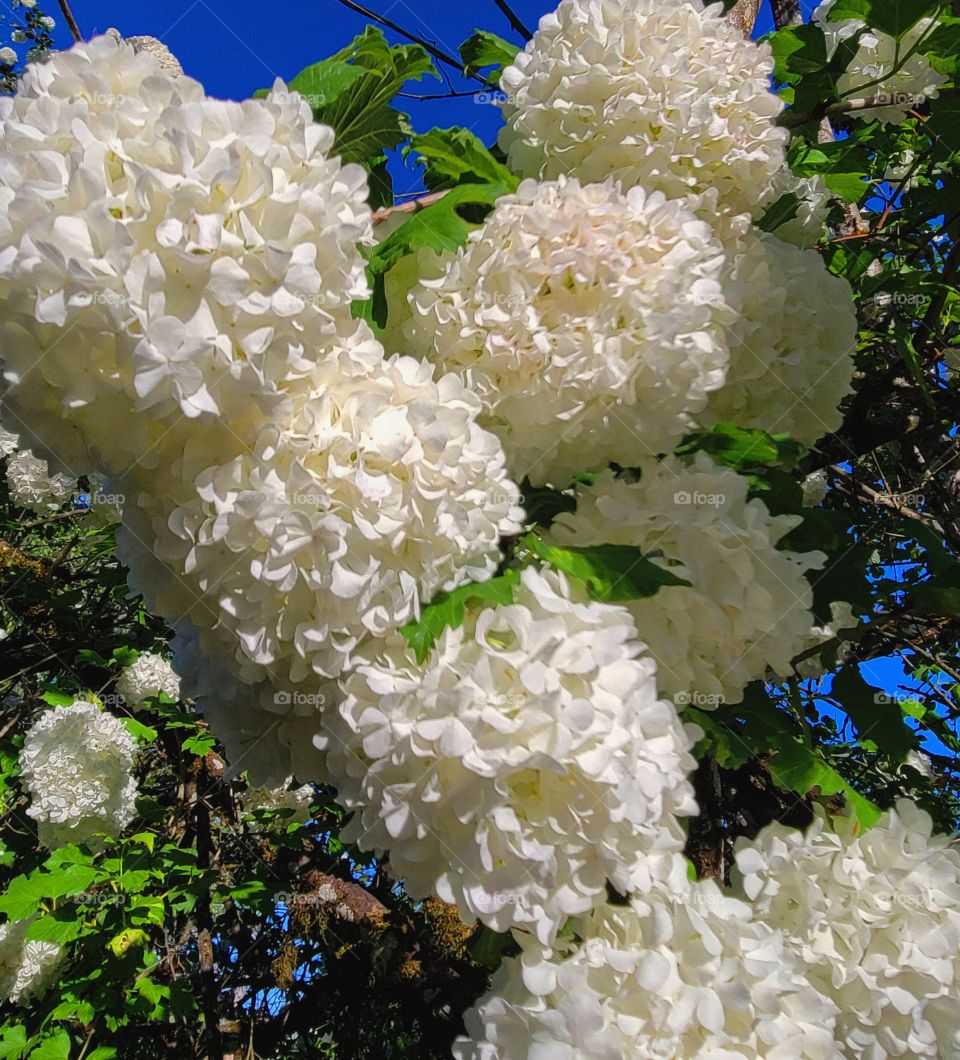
[(70, 20), (513, 19), (437, 53), (786, 13)]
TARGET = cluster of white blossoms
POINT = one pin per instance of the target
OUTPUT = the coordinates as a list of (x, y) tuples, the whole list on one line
[(77, 764), (893, 74), (682, 971), (591, 323), (874, 921), (379, 493), (746, 610), (200, 252), (292, 496), (790, 366), (146, 677), (27, 966), (31, 485), (292, 490), (294, 800), (524, 764), (667, 96)]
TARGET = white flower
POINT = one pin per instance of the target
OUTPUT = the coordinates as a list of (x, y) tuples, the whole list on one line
[(815, 488), (269, 730), (47, 22), (27, 3), (747, 609), (202, 253), (680, 972), (790, 366), (806, 227), (8, 56), (146, 677), (658, 93), (32, 486), (874, 918), (878, 72), (8, 442), (296, 801), (380, 493), (591, 323), (27, 966), (76, 763), (523, 765), (841, 618)]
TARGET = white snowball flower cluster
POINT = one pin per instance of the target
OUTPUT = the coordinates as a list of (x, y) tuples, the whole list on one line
[(146, 677), (591, 323), (523, 765), (32, 486), (200, 252), (874, 919), (790, 366), (380, 493), (685, 972), (27, 966), (747, 609), (664, 94), (77, 765), (891, 73)]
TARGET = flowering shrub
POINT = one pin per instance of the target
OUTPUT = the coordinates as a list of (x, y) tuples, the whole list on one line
[(522, 552)]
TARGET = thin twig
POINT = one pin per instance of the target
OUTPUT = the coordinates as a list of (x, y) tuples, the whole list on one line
[(437, 53), (513, 19), (71, 21)]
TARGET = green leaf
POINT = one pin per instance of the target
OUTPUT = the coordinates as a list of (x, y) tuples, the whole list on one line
[(488, 947), (365, 124), (139, 731), (487, 51), (875, 713), (438, 226), (453, 155), (896, 17), (58, 699), (798, 50), (447, 610), (200, 744), (322, 84), (742, 447), (60, 927), (798, 768), (13, 1042), (777, 214), (610, 572), (102, 1052), (56, 1047)]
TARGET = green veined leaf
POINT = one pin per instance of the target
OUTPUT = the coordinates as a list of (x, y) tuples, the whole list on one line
[(797, 767), (447, 610), (486, 51), (610, 572), (742, 447), (453, 155)]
